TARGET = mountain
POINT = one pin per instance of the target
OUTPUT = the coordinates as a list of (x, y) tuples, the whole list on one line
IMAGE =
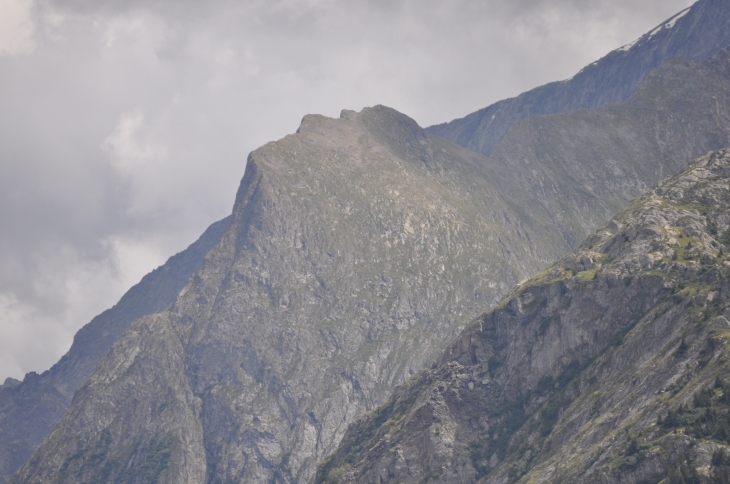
[(584, 166), (360, 245), (356, 249), (694, 34), (30, 409), (610, 366)]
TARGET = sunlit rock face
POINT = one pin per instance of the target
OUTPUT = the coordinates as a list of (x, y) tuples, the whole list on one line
[(358, 249), (584, 166)]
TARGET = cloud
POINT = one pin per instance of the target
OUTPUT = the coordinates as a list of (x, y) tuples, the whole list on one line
[(17, 27), (125, 125)]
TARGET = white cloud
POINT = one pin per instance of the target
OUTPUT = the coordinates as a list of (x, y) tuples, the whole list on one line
[(37, 330), (130, 147), (17, 27)]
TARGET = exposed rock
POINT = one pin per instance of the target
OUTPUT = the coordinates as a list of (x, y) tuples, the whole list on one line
[(357, 248), (579, 366), (29, 409), (549, 182), (584, 166), (9, 383)]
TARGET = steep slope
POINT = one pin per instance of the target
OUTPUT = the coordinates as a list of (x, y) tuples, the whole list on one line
[(357, 246), (611, 366), (586, 165), (29, 409), (694, 34)]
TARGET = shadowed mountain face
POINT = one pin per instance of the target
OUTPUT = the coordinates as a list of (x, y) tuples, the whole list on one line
[(29, 409), (611, 366), (356, 249), (583, 166), (694, 34)]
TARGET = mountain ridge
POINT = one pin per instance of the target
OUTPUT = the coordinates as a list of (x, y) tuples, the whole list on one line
[(30, 409), (667, 119), (355, 246), (514, 186), (695, 35)]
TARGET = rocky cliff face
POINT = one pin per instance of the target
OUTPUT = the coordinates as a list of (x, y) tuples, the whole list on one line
[(356, 249), (694, 34), (29, 409), (437, 209), (611, 366)]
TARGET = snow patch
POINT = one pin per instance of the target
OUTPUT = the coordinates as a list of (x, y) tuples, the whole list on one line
[(628, 47), (673, 21)]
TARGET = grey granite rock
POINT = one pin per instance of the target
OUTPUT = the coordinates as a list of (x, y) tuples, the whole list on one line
[(583, 166), (389, 238)]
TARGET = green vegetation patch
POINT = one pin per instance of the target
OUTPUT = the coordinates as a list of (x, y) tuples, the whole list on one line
[(708, 417), (586, 276)]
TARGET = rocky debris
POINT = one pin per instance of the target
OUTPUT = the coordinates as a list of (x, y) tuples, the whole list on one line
[(357, 249), (610, 366), (30, 409)]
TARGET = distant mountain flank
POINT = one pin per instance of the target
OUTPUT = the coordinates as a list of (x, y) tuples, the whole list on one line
[(30, 409), (694, 34), (611, 366), (355, 249), (585, 165)]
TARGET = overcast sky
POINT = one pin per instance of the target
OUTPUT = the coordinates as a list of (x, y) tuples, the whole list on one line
[(125, 125)]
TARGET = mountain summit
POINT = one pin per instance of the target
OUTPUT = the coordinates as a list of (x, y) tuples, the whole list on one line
[(355, 250)]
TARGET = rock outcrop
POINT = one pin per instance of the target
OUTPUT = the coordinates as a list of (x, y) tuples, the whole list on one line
[(610, 366), (30, 409), (356, 250), (694, 34)]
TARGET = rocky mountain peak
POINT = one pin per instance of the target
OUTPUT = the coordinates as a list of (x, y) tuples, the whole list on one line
[(356, 249)]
